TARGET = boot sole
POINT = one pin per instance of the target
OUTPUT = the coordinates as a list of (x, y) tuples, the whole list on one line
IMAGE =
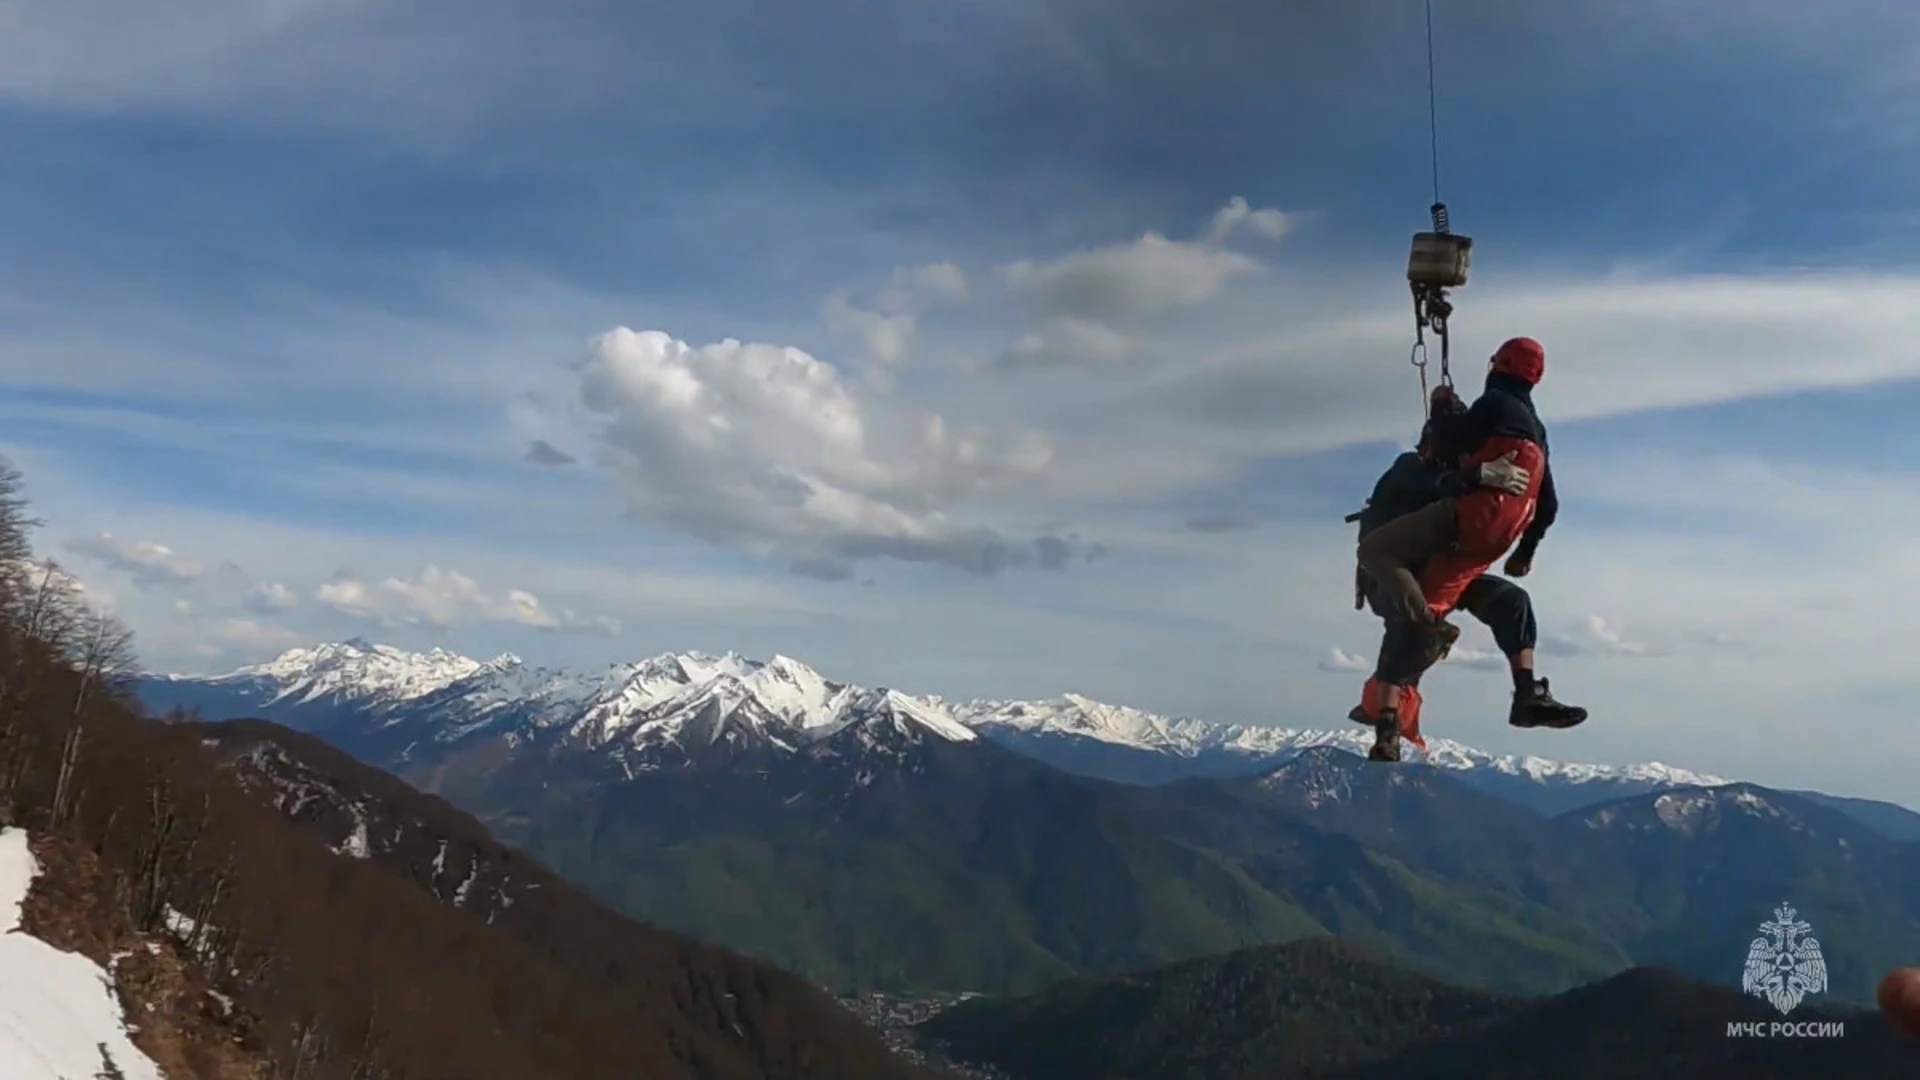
[(1552, 725)]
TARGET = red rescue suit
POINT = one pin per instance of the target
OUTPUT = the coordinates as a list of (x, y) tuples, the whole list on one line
[(1491, 523)]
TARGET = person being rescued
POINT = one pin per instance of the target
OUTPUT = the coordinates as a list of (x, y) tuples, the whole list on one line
[(1438, 521)]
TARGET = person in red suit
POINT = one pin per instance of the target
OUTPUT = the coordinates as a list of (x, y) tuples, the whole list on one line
[(1423, 562)]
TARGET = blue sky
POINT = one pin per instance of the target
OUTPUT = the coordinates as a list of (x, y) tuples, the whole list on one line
[(291, 287)]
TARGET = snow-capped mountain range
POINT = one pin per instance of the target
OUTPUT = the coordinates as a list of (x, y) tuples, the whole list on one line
[(666, 708)]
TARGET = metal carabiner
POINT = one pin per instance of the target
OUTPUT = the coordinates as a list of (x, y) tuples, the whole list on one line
[(1418, 358)]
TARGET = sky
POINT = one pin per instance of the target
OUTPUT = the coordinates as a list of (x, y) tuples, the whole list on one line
[(979, 347)]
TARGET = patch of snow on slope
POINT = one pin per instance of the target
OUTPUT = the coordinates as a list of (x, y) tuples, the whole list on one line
[(57, 1009), (357, 845), (931, 715)]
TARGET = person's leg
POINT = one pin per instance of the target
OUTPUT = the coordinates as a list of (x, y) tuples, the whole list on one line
[(1393, 553), (1390, 700), (1507, 610)]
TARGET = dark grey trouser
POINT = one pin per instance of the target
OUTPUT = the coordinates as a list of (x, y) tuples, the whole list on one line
[(1393, 553), (1503, 606)]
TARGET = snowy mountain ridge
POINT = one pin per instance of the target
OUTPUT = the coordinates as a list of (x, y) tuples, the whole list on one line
[(354, 670), (682, 699), (1074, 715)]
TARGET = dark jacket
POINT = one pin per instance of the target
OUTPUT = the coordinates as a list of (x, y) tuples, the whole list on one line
[(1409, 484), (1505, 411)]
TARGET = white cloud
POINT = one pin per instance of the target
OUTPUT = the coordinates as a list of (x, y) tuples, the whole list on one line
[(1149, 276), (1602, 638), (447, 600), (271, 597), (49, 574), (1067, 343), (887, 329), (919, 288), (1146, 277), (1238, 215), (149, 564), (246, 636), (887, 338), (1467, 656), (1342, 661), (1594, 637), (767, 449), (1201, 412)]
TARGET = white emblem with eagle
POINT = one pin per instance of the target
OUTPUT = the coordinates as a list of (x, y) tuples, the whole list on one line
[(1784, 963)]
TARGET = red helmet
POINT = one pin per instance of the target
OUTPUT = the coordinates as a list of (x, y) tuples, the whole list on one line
[(1521, 357)]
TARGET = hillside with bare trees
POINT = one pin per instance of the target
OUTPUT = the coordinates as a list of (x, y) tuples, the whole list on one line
[(330, 966)]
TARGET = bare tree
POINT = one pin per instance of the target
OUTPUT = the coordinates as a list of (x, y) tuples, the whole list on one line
[(102, 655), (49, 620), (16, 541), (101, 652)]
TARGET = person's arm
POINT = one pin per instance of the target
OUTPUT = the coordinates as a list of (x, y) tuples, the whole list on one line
[(1546, 509)]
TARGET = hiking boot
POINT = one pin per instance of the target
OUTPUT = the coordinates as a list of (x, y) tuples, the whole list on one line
[(1386, 737), (1537, 708)]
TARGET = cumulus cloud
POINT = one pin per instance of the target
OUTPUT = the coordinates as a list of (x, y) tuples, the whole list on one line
[(769, 450), (1612, 640), (1237, 215), (1476, 659), (147, 563), (1149, 276), (448, 600), (1340, 660), (270, 597)]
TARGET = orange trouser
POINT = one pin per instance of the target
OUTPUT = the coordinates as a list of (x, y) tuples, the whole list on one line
[(1374, 693)]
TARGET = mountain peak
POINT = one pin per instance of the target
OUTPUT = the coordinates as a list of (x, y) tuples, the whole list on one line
[(1691, 810), (355, 669)]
